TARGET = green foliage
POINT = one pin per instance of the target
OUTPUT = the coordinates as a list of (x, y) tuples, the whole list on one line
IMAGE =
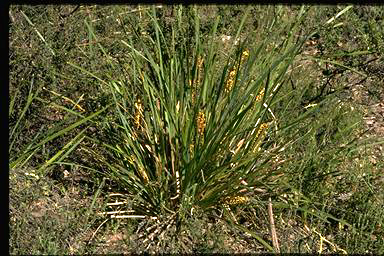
[(196, 125), (196, 116), (26, 100)]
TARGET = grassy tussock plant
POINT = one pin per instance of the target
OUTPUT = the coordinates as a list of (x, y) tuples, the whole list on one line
[(193, 135)]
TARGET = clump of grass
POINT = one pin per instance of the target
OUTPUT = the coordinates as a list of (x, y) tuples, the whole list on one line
[(195, 138), (196, 127)]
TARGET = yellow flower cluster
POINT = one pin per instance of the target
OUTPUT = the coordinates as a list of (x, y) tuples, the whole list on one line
[(260, 95), (191, 148), (231, 80), (200, 62), (138, 113), (244, 56), (196, 82), (260, 135), (200, 122), (193, 92), (232, 74), (236, 200)]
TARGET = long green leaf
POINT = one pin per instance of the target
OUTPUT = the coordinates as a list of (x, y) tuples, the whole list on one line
[(69, 147)]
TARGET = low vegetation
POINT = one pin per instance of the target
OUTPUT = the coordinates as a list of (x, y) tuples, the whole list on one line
[(196, 129)]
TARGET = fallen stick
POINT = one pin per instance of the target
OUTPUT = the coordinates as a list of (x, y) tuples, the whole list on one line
[(275, 241)]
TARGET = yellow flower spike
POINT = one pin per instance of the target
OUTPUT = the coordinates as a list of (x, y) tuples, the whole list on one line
[(191, 148), (201, 122), (260, 136), (138, 113), (200, 62), (260, 95), (244, 56), (236, 200), (232, 74), (231, 80), (193, 96), (194, 83), (262, 128)]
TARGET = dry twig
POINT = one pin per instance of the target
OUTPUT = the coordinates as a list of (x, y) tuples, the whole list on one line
[(275, 241)]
